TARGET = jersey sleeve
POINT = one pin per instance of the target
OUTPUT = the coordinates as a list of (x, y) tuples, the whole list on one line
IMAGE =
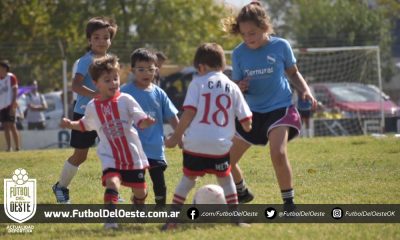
[(82, 67), (135, 111), (192, 96), (242, 109), (168, 108), (236, 71), (289, 58), (13, 81), (87, 122)]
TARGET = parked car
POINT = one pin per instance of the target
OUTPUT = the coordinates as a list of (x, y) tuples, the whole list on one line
[(354, 99), (176, 84)]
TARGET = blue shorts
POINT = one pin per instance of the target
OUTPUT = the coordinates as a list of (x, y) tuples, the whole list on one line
[(263, 123)]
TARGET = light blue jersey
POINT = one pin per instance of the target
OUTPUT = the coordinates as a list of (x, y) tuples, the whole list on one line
[(268, 87), (83, 69), (156, 104)]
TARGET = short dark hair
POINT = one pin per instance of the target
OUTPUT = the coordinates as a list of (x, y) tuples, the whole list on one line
[(5, 64), (103, 64), (143, 55), (97, 23), (161, 56), (210, 54)]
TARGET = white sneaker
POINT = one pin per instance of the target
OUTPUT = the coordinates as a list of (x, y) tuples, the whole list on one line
[(110, 226)]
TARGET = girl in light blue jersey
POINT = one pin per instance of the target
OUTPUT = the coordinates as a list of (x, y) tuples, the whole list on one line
[(262, 65), (100, 31)]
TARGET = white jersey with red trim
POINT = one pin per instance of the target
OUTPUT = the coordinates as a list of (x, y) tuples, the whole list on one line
[(6, 89), (217, 101), (119, 146)]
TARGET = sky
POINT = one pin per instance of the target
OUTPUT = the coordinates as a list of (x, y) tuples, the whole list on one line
[(238, 3)]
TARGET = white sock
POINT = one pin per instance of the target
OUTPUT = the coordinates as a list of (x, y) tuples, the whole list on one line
[(182, 190), (229, 187), (67, 174)]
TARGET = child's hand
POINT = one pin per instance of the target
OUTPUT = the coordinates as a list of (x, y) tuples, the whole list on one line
[(170, 141), (244, 84), (65, 123), (147, 122)]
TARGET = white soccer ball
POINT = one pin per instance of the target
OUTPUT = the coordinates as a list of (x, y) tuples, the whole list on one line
[(209, 194)]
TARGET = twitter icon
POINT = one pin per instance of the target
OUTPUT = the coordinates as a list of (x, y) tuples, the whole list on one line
[(270, 213)]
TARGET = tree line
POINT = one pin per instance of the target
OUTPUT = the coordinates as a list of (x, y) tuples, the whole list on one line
[(37, 34)]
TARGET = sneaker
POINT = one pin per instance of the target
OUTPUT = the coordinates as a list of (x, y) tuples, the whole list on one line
[(289, 207), (61, 193), (108, 226), (169, 226), (245, 196)]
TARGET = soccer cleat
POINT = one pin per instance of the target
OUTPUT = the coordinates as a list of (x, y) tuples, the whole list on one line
[(111, 225), (245, 196), (169, 226), (289, 207), (61, 193)]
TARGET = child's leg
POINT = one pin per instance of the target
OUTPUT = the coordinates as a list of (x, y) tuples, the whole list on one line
[(159, 186), (278, 147), (139, 195), (111, 198), (228, 185), (182, 190)]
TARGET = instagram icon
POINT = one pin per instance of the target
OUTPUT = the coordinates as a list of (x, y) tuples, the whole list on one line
[(337, 213)]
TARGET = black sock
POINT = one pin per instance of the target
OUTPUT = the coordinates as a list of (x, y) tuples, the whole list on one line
[(241, 187)]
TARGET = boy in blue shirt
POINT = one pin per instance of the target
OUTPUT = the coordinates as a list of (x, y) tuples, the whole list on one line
[(155, 102)]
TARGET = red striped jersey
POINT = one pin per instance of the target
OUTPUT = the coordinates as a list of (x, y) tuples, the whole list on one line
[(119, 145)]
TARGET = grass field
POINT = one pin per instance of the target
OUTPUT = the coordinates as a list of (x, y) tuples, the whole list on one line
[(342, 170)]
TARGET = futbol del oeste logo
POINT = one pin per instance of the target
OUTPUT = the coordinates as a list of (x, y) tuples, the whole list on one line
[(20, 196)]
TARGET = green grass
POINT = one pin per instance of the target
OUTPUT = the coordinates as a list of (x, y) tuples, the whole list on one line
[(342, 170)]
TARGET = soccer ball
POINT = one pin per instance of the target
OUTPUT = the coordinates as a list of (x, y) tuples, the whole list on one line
[(209, 194), (20, 176)]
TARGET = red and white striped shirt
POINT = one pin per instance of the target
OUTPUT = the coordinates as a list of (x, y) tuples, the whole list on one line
[(119, 146)]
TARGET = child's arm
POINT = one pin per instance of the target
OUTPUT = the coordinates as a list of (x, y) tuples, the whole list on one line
[(74, 125), (246, 125), (147, 122), (183, 124), (174, 121)]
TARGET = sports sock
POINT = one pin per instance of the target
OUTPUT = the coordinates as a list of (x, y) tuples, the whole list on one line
[(67, 174), (287, 196), (228, 185), (159, 186), (182, 190), (241, 187)]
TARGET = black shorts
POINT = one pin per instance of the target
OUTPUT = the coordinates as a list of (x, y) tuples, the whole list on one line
[(82, 140), (305, 113), (157, 163), (6, 115), (196, 165), (263, 123), (36, 125), (130, 178)]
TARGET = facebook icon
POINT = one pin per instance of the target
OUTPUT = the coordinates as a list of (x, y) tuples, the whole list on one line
[(192, 213)]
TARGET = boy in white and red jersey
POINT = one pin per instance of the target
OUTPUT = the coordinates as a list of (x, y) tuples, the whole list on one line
[(111, 115), (211, 105), (8, 104)]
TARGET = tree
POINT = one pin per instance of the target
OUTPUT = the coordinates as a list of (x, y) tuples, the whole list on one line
[(32, 30), (327, 23)]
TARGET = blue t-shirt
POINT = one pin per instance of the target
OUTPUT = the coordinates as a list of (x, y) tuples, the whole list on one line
[(156, 104), (83, 69), (268, 87)]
